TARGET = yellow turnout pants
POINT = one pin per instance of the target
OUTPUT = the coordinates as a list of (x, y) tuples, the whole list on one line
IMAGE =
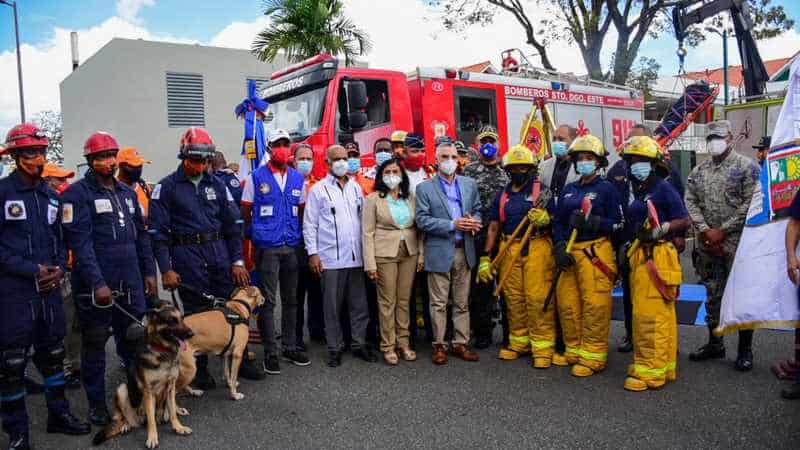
[(655, 326), (524, 291), (584, 304)]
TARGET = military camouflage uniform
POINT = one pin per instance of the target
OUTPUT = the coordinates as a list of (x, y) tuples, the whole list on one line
[(718, 196), (490, 181)]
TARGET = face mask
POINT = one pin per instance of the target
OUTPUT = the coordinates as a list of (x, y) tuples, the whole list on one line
[(586, 168), (339, 168), (280, 156), (717, 147), (392, 181), (61, 188), (353, 164), (414, 162), (559, 148), (133, 174), (304, 166), (382, 157), (194, 168), (519, 178), (641, 170), (448, 167), (105, 168), (33, 167)]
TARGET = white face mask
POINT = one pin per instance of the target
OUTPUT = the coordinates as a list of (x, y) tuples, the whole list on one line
[(716, 147), (448, 167), (392, 181), (339, 167)]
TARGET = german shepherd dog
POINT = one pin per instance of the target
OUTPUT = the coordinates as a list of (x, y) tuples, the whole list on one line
[(155, 374)]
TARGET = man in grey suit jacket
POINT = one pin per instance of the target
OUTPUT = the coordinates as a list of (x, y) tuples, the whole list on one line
[(448, 212), (558, 171)]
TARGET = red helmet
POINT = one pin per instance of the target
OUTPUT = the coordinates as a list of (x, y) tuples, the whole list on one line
[(99, 142), (197, 142), (25, 135)]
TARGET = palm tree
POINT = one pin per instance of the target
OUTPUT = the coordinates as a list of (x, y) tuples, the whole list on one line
[(305, 28)]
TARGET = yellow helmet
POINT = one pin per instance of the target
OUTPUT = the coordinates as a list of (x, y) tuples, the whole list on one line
[(519, 155), (589, 144), (642, 146), (398, 137)]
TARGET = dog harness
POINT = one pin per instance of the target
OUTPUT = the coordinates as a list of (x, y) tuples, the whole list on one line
[(234, 319)]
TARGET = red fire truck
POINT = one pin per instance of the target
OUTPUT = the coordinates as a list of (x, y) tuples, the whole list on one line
[(321, 104)]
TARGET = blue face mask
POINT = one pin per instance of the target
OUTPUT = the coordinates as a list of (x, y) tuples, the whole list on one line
[(304, 166), (641, 170), (586, 168), (559, 148), (382, 157), (353, 164)]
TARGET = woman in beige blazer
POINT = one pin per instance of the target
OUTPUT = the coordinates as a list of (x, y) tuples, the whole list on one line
[(392, 254)]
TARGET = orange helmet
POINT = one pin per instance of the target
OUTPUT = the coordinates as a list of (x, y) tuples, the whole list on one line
[(197, 142), (99, 142), (24, 136)]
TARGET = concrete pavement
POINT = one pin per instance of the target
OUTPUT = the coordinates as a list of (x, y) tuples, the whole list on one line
[(489, 404)]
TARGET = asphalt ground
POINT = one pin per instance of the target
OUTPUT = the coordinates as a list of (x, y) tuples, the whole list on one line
[(488, 404)]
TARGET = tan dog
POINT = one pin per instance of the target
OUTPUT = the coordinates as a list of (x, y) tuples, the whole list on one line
[(214, 334), (156, 375)]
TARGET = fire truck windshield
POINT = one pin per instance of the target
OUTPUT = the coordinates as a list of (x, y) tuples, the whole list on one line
[(300, 115)]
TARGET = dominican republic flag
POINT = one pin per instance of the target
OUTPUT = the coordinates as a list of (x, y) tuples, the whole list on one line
[(254, 148)]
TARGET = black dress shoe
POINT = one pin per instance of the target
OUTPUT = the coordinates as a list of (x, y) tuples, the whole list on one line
[(66, 423), (334, 359), (203, 380), (482, 342), (249, 370), (366, 354), (744, 360), (98, 414), (32, 386), (72, 379), (626, 346), (792, 392), (18, 441), (712, 350)]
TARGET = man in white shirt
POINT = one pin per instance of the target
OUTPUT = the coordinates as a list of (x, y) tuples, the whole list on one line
[(332, 234), (414, 161)]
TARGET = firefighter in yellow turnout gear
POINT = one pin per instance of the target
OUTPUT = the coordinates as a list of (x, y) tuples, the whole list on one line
[(520, 220), (583, 294), (655, 212)]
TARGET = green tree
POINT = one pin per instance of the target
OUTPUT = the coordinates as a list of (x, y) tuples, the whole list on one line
[(304, 28), (586, 23), (50, 124)]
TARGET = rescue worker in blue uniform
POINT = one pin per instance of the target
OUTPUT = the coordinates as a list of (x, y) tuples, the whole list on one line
[(197, 238), (653, 214), (228, 176), (618, 175), (271, 209), (589, 270), (104, 227), (32, 261)]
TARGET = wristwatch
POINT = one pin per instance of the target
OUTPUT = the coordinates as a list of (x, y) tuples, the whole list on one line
[(238, 263)]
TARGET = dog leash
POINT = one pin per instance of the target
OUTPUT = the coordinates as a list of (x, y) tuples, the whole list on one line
[(115, 294)]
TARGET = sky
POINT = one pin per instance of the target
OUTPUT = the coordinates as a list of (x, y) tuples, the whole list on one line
[(405, 33)]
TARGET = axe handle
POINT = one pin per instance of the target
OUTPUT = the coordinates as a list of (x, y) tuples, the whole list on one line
[(504, 275), (505, 246)]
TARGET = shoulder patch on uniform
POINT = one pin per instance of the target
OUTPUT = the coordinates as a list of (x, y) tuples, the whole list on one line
[(67, 213), (263, 188), (234, 183), (15, 210), (156, 192)]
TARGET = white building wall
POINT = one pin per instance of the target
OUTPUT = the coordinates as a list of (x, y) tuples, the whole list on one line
[(122, 89)]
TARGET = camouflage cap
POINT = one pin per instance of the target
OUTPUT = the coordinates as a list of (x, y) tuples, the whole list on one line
[(721, 128)]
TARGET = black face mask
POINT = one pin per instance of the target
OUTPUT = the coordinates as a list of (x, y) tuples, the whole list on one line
[(520, 178), (133, 174)]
